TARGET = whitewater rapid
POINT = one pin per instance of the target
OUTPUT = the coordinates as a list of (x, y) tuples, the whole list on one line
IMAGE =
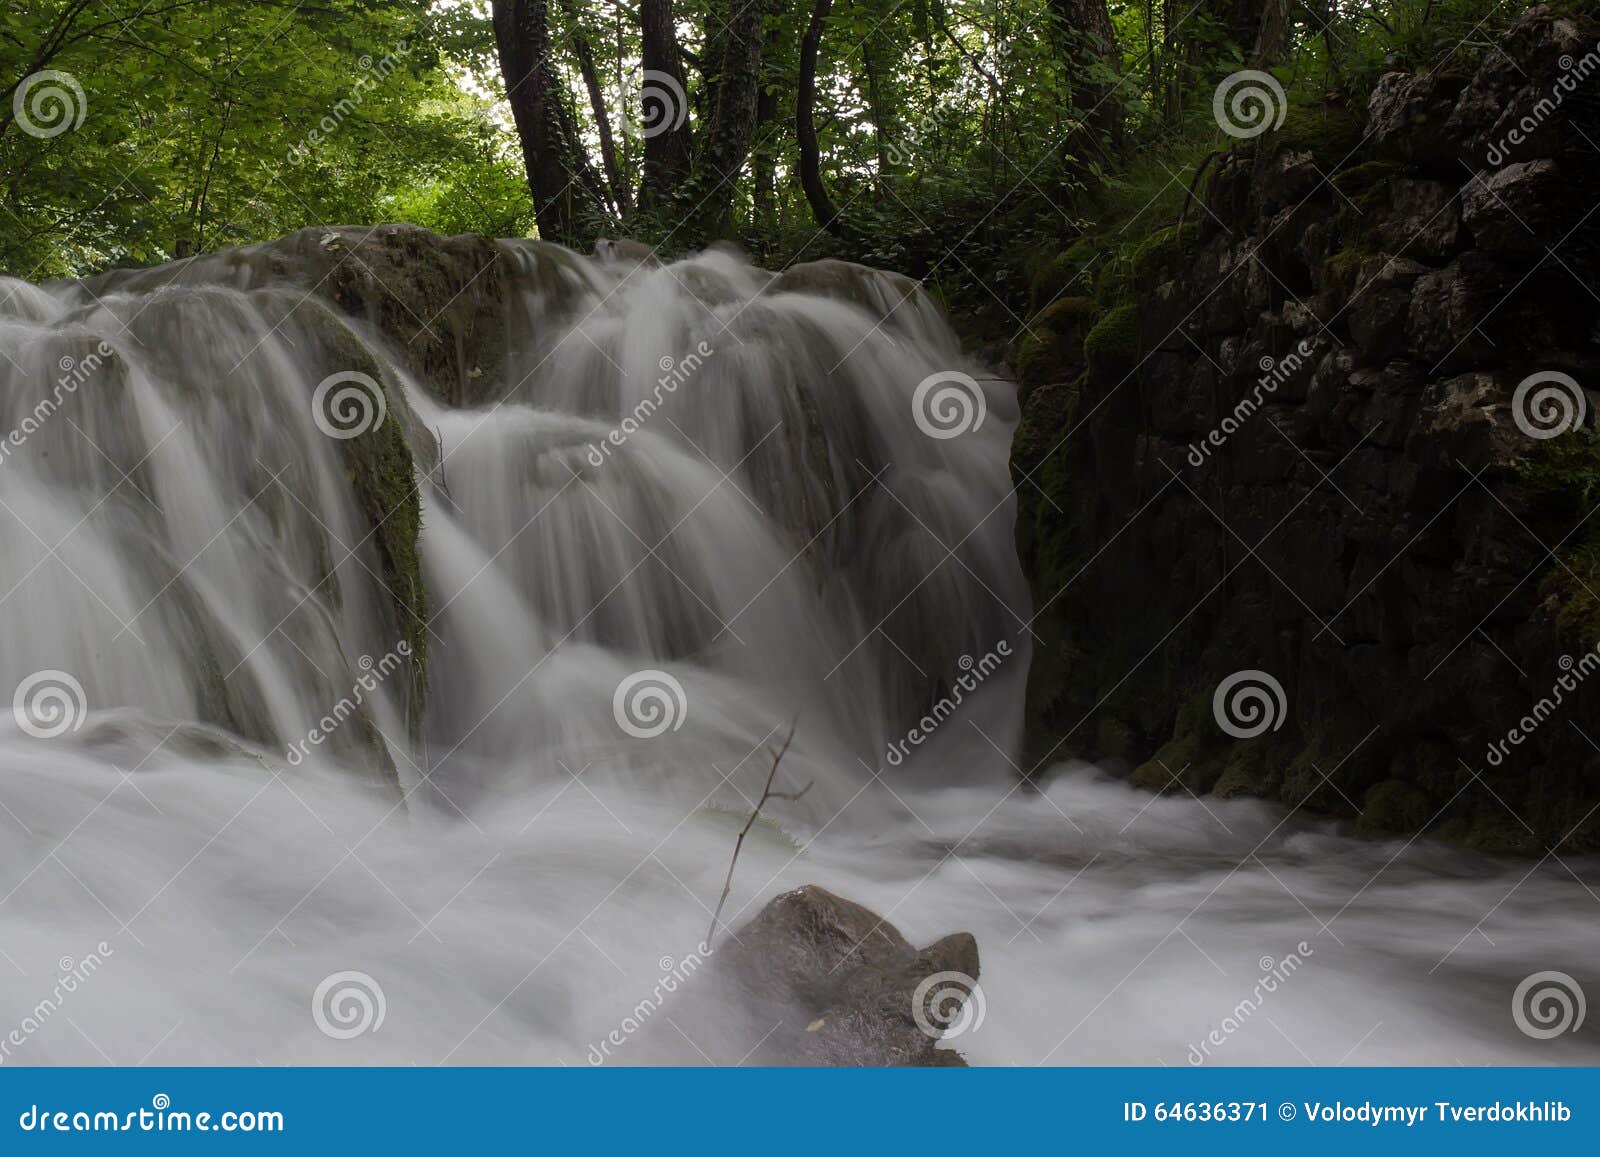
[(700, 507)]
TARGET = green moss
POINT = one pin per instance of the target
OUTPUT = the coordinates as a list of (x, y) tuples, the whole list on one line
[(1343, 269), (381, 468), (1360, 182), (1111, 349), (1191, 757), (1394, 806), (1488, 832), (1160, 256), (1070, 272), (1329, 133), (1249, 771)]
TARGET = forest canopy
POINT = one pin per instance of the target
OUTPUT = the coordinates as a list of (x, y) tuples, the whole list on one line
[(955, 140)]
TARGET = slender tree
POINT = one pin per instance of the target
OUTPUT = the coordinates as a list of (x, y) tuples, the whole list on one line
[(805, 127)]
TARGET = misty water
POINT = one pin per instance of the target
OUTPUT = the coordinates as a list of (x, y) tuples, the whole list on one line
[(790, 529)]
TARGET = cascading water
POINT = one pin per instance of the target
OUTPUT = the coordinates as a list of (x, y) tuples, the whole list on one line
[(699, 506)]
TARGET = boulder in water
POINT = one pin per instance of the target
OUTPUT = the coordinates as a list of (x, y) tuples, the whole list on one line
[(844, 987)]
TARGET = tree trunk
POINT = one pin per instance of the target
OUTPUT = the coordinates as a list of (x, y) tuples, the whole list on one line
[(1272, 33), (667, 140), (568, 203), (726, 143), (822, 207), (1089, 45)]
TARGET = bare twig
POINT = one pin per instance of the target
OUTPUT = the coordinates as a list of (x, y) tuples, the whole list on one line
[(738, 844)]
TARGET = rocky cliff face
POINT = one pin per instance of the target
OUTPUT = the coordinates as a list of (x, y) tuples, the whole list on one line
[(1297, 442)]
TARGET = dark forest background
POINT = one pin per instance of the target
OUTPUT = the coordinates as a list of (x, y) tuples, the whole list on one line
[(964, 142)]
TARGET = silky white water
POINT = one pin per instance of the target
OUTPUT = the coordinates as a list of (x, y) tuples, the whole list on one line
[(189, 590)]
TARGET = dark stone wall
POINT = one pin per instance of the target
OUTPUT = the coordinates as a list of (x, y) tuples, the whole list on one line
[(1379, 535)]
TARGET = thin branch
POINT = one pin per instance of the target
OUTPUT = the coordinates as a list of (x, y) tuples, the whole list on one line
[(738, 844)]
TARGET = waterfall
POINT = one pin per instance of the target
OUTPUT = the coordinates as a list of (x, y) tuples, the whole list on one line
[(321, 670), (697, 470)]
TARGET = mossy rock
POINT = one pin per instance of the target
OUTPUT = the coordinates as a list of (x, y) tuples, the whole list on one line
[(1053, 351), (1111, 348), (1489, 833), (1250, 770), (1366, 184), (1329, 133), (1191, 755), (1069, 273), (1394, 806), (1342, 270), (1161, 256)]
